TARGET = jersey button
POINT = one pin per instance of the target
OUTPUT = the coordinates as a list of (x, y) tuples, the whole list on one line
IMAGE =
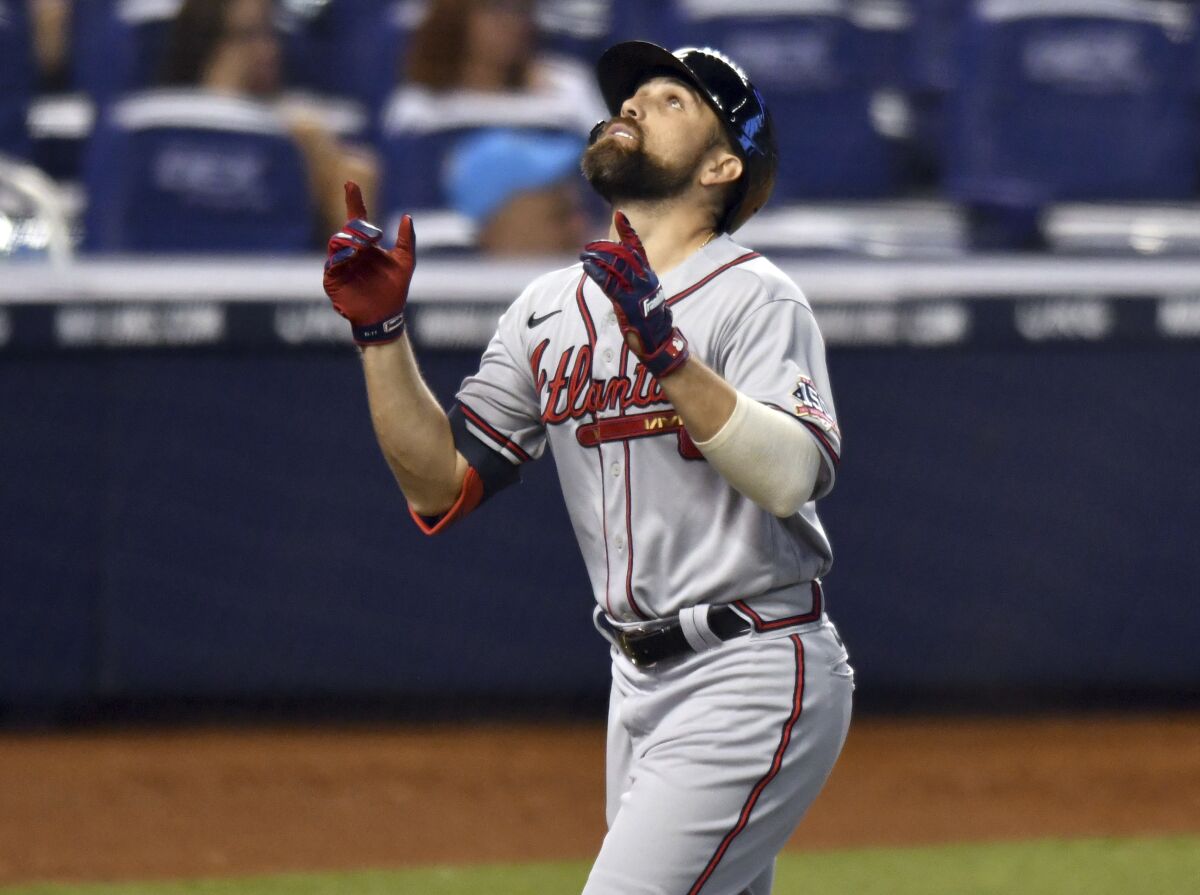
[(619, 540), (615, 469), (608, 355)]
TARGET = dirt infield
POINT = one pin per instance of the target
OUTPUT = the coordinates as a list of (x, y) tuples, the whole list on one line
[(147, 805)]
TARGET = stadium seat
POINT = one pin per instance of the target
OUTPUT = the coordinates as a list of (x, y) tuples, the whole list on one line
[(117, 45), (817, 62), (346, 48), (930, 76), (189, 171), (579, 29), (16, 77), (932, 57), (1074, 99), (656, 22)]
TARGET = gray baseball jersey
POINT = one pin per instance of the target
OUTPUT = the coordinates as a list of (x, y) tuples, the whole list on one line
[(658, 527), (705, 784)]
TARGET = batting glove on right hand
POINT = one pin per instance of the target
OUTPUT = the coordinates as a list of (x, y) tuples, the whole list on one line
[(369, 285), (622, 271)]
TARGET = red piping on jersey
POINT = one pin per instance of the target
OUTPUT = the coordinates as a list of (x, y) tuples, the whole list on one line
[(624, 398), (583, 311), (628, 496), (761, 624), (629, 539), (785, 738), (591, 330), (816, 430), (502, 440), (680, 296), (821, 437), (470, 495)]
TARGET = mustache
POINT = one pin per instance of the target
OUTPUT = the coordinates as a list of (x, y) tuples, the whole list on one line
[(601, 126)]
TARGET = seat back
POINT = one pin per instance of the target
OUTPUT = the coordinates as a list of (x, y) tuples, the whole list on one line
[(1074, 99), (579, 29), (347, 48), (186, 171), (817, 67), (16, 77), (117, 46)]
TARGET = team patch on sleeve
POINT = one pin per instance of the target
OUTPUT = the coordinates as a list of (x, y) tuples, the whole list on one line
[(810, 407)]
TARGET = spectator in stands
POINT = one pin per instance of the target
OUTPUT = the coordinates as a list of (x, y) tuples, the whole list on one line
[(521, 190), (472, 65), (231, 47), (488, 46), (51, 29), (16, 81)]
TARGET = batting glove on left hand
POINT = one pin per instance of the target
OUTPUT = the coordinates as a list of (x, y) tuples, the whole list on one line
[(368, 285), (621, 270)]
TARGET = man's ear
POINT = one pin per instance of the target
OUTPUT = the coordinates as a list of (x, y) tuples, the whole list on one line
[(720, 167)]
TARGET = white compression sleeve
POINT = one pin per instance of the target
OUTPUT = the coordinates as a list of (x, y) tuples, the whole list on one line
[(766, 456)]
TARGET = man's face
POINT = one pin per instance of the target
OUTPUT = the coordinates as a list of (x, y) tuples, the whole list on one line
[(653, 149)]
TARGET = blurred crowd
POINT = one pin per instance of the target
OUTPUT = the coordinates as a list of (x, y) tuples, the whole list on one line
[(230, 125)]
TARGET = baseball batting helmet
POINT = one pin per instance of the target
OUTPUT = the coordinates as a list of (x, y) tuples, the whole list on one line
[(738, 104)]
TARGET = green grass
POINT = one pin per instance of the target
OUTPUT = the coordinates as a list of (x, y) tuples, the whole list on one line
[(1168, 866)]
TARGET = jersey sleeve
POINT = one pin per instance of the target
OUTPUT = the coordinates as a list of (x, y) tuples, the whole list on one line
[(775, 354), (495, 421)]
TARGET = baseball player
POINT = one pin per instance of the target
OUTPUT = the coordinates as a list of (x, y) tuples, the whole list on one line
[(679, 379)]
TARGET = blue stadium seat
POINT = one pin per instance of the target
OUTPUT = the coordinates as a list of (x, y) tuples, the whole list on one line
[(346, 48), (16, 77), (1074, 99), (818, 66), (580, 29), (930, 76), (932, 59), (187, 171), (658, 22), (118, 45)]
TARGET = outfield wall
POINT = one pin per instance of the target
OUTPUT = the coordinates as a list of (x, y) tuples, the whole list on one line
[(193, 506)]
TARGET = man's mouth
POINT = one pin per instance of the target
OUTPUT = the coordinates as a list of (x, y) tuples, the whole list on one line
[(622, 131)]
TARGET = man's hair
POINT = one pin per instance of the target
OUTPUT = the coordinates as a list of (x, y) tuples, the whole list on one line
[(436, 53)]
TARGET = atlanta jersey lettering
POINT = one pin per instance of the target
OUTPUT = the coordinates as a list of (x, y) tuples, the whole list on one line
[(659, 528)]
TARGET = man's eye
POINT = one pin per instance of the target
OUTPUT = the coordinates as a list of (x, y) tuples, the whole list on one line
[(675, 101)]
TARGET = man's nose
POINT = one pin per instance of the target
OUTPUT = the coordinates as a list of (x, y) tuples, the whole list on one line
[(631, 108)]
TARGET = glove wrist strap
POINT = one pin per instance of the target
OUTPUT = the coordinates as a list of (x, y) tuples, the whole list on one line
[(669, 356), (380, 333)]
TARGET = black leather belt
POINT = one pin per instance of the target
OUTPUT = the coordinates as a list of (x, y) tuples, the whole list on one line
[(661, 641)]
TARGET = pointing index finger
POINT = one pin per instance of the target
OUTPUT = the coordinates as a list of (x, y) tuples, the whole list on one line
[(626, 232), (354, 201)]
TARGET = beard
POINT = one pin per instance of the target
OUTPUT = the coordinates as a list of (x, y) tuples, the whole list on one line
[(622, 172)]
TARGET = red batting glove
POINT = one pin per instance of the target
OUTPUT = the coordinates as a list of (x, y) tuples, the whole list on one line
[(369, 285)]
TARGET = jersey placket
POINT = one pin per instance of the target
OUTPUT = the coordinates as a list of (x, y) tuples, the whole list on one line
[(607, 364)]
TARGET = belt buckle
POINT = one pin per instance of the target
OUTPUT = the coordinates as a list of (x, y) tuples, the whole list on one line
[(628, 645)]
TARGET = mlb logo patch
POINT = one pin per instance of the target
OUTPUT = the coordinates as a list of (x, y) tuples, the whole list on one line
[(810, 406), (808, 396)]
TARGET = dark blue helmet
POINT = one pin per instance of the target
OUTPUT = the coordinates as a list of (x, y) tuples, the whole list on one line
[(738, 104)]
